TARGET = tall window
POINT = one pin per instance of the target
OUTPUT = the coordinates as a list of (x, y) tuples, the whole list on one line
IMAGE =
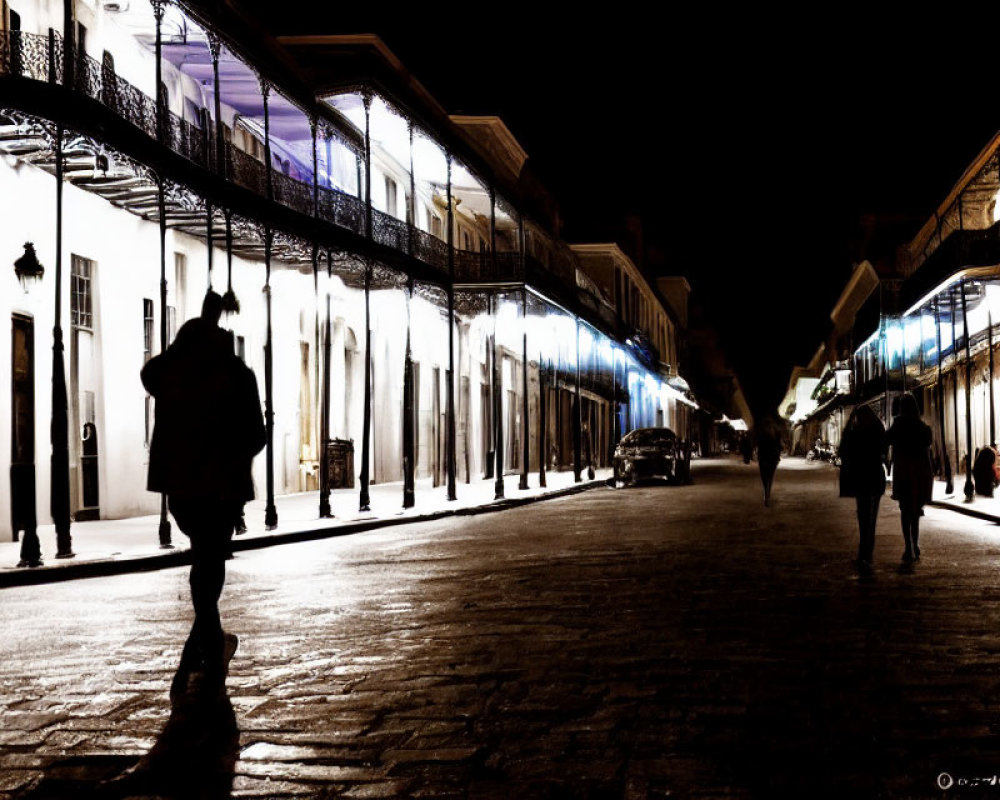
[(147, 329), (390, 195), (81, 298)]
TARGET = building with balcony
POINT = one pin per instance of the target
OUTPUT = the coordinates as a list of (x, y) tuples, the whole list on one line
[(927, 326), (392, 274)]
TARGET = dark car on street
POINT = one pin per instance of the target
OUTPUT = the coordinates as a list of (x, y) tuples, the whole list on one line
[(646, 453)]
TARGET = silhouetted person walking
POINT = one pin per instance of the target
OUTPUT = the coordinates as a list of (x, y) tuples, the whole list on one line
[(208, 429), (909, 438), (768, 434), (862, 475)]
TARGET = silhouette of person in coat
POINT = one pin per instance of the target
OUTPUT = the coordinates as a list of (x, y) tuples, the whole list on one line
[(208, 429), (862, 475), (909, 438)]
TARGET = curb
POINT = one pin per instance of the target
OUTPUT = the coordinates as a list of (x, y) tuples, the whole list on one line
[(102, 567), (966, 510)]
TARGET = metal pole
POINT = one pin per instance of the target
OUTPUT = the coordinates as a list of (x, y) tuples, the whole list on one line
[(525, 445), (989, 321), (970, 490), (577, 415), (450, 381), (324, 485), (542, 420), (164, 530), (270, 511), (409, 466), (159, 6), (209, 226), (60, 490), (364, 500), (949, 485), (215, 46), (954, 386)]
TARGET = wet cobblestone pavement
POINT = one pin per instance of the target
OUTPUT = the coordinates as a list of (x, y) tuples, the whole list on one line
[(654, 642)]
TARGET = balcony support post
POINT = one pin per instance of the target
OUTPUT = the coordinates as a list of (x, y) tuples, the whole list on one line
[(364, 500), (164, 530), (270, 510), (497, 362), (450, 380), (525, 445), (543, 432), (159, 7), (215, 47), (577, 414), (325, 509), (945, 458), (954, 386), (970, 491)]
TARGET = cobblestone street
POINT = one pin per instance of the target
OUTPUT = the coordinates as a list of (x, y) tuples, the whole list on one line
[(653, 642)]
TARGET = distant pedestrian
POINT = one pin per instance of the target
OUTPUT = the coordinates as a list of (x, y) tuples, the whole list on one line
[(208, 429), (862, 475), (909, 440), (984, 471), (769, 436)]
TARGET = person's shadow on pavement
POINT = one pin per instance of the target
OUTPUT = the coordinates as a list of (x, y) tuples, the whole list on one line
[(194, 755)]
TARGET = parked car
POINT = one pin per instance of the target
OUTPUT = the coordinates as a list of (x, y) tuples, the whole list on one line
[(646, 453)]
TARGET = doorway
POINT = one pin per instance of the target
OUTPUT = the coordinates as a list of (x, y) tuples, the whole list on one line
[(22, 427)]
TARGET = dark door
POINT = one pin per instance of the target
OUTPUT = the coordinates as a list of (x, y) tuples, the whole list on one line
[(22, 461)]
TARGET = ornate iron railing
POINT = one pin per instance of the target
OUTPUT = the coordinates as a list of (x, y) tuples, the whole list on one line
[(429, 249), (342, 209), (389, 231), (41, 58), (292, 193), (32, 56), (186, 139), (247, 171)]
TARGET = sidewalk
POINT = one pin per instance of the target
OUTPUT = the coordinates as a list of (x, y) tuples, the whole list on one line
[(987, 508), (111, 547)]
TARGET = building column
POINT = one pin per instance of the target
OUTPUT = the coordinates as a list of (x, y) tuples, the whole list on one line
[(69, 42), (970, 491), (449, 414), (210, 237)]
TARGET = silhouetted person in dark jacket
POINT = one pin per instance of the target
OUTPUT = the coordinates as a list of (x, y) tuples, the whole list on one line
[(909, 438), (862, 475), (208, 429), (984, 471), (768, 433)]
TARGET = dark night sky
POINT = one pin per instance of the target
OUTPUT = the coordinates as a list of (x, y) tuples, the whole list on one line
[(748, 145)]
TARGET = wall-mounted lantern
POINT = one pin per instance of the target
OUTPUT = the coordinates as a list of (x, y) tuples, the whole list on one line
[(27, 268)]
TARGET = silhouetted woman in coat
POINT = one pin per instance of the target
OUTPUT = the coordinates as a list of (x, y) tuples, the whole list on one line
[(769, 436), (862, 474), (909, 439)]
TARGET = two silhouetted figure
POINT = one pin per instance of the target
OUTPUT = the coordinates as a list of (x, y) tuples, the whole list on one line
[(208, 429)]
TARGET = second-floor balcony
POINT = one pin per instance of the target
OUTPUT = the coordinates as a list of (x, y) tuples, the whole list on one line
[(32, 59)]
